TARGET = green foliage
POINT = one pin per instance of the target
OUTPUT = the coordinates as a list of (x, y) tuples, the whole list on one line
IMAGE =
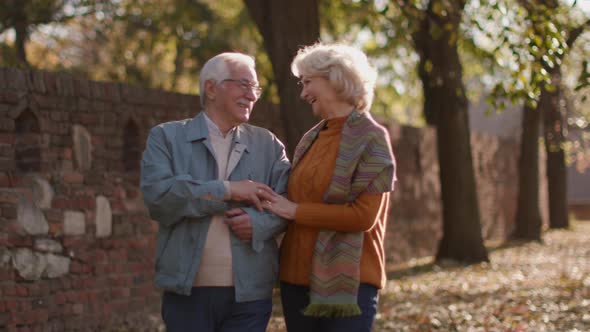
[(384, 33), (530, 45), (164, 44), (160, 44), (33, 11), (23, 17)]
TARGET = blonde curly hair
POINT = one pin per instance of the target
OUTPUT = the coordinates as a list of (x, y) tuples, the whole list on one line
[(346, 68)]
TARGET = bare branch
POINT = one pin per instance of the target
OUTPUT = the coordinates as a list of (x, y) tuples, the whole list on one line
[(576, 32)]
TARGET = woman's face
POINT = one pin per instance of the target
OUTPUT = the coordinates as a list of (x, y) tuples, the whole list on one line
[(320, 94)]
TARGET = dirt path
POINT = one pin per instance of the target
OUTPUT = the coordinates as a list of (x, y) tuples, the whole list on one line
[(530, 287)]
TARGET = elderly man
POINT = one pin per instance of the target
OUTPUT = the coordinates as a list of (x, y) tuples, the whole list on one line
[(204, 180)]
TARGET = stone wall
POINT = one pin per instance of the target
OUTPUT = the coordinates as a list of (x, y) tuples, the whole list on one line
[(76, 244)]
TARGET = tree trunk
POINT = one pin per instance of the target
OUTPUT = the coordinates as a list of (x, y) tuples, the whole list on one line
[(21, 32), (446, 105), (286, 26), (528, 216), (554, 117), (178, 62), (554, 111)]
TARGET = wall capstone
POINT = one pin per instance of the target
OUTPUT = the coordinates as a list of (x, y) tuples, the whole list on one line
[(48, 245), (82, 147), (31, 218), (104, 217), (30, 265), (42, 191), (74, 223), (5, 257), (57, 266)]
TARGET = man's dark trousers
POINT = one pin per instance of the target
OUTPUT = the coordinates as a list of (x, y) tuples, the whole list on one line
[(214, 309)]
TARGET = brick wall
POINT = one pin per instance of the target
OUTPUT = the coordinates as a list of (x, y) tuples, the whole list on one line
[(76, 244)]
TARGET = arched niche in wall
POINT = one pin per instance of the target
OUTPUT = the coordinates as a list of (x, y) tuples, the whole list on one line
[(27, 147), (131, 146)]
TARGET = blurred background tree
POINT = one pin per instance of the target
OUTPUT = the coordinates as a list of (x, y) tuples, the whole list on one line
[(24, 17)]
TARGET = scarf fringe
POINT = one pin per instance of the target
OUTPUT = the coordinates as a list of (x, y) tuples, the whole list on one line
[(332, 310)]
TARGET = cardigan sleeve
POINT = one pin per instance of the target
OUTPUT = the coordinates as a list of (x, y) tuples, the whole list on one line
[(358, 216)]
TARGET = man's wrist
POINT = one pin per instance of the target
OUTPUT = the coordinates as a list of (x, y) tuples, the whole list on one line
[(227, 186)]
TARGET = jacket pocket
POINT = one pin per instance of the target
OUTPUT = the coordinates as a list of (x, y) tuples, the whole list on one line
[(171, 259)]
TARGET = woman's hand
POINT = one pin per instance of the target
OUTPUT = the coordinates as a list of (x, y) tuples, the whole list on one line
[(251, 192), (281, 206)]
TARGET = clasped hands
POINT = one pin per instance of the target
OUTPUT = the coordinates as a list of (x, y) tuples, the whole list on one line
[(263, 198)]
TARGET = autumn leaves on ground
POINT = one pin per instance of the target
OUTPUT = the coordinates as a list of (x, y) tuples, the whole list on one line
[(526, 287)]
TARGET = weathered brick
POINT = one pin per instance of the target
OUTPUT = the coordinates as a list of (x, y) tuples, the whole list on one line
[(5, 318), (9, 211), (24, 304), (3, 83), (61, 203), (83, 105), (11, 97), (59, 116), (15, 79), (46, 101), (65, 85), (9, 196), (82, 87), (35, 81), (7, 138), (78, 308), (73, 178), (118, 293), (60, 298), (19, 240), (87, 119), (6, 124), (113, 92), (34, 289), (6, 151), (7, 164), (76, 268), (50, 82), (53, 215), (11, 304), (21, 290)]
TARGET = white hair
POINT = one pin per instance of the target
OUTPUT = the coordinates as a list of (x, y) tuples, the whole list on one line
[(217, 69), (347, 69)]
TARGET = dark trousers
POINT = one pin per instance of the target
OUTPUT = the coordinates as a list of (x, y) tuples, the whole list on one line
[(213, 309), (295, 298)]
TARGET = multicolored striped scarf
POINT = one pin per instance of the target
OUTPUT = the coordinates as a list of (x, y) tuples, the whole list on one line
[(364, 163)]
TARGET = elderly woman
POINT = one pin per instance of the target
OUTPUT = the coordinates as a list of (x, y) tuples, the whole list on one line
[(332, 257)]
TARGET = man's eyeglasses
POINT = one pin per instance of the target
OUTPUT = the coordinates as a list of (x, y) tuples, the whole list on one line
[(246, 86)]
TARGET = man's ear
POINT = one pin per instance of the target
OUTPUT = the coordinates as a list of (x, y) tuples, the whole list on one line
[(210, 90)]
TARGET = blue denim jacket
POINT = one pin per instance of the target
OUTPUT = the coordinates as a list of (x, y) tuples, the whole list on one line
[(181, 191)]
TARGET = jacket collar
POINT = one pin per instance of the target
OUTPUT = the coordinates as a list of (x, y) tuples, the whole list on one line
[(197, 130)]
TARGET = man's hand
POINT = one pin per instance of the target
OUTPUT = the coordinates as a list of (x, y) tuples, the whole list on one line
[(251, 192), (239, 223)]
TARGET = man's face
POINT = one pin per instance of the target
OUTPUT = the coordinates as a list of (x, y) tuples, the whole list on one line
[(234, 96)]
